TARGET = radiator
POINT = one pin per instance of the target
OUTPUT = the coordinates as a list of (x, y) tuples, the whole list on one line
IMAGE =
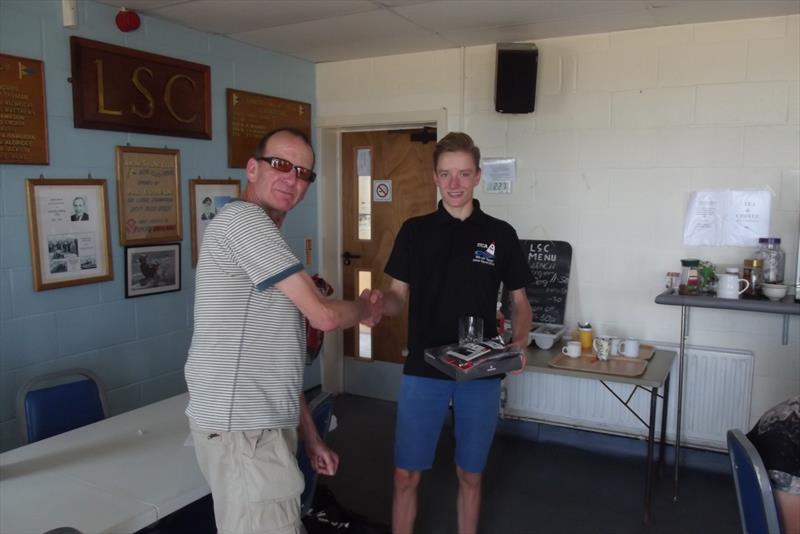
[(716, 397)]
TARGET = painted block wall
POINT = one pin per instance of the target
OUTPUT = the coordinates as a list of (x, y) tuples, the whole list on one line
[(626, 125), (137, 346)]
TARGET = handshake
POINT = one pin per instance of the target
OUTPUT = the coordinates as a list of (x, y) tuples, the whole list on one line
[(371, 307)]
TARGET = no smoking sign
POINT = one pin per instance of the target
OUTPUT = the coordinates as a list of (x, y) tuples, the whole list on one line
[(381, 190)]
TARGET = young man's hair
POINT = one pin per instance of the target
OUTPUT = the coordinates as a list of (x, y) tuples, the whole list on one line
[(457, 142), (262, 143)]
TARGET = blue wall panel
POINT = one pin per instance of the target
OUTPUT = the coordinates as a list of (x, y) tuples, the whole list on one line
[(137, 346)]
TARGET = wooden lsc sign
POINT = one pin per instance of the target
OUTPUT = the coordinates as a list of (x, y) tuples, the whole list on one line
[(118, 88)]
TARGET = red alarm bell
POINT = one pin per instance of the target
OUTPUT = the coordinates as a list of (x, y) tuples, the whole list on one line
[(127, 20)]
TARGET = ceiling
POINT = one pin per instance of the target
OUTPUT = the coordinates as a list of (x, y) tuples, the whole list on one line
[(333, 30)]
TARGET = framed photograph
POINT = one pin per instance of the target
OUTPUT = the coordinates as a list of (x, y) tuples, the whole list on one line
[(69, 232), (149, 195), (153, 269), (206, 198)]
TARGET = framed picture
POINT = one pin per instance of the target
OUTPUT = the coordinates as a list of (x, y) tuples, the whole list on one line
[(153, 269), (69, 232), (149, 195), (206, 198)]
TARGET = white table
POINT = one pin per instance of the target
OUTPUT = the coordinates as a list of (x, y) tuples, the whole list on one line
[(118, 475)]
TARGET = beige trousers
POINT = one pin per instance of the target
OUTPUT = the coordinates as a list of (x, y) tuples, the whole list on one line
[(254, 479)]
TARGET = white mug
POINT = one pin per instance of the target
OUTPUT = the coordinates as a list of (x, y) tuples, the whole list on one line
[(572, 349), (728, 285), (602, 347), (615, 341), (629, 348)]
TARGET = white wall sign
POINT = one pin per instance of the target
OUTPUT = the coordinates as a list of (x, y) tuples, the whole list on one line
[(381, 190), (497, 187), (498, 169), (727, 218)]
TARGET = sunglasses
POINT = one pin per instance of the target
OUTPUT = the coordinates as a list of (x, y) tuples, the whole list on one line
[(285, 166)]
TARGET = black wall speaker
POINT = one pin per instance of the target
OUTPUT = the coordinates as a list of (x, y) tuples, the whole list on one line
[(515, 81)]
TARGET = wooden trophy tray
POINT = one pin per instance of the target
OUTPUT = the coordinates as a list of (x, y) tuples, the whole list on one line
[(615, 365)]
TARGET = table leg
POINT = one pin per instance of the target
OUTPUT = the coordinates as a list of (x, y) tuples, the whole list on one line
[(681, 362), (651, 433), (663, 441)]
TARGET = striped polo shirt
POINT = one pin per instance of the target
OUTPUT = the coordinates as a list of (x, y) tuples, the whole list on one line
[(245, 364)]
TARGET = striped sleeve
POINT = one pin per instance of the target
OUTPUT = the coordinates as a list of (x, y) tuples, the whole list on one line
[(266, 260)]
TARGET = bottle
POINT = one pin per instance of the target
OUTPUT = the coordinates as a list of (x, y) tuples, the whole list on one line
[(772, 257), (751, 271)]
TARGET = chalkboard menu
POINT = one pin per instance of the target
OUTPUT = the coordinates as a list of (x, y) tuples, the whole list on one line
[(549, 262)]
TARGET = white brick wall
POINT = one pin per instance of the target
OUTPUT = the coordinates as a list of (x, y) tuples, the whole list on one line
[(626, 125)]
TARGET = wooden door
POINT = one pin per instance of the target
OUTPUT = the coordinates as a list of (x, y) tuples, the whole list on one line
[(387, 177)]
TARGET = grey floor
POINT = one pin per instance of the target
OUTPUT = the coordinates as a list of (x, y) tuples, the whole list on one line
[(529, 487)]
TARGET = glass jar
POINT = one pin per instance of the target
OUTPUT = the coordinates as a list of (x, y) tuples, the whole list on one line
[(690, 278), (751, 271), (772, 259)]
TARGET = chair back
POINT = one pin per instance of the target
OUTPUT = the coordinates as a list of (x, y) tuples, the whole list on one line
[(321, 408), (45, 410), (757, 509)]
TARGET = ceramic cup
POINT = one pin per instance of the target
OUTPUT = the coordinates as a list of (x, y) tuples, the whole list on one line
[(470, 329), (572, 349), (728, 285), (629, 347), (615, 341), (602, 347)]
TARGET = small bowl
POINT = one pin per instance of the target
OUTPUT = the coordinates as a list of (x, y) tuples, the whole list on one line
[(774, 291), (545, 335)]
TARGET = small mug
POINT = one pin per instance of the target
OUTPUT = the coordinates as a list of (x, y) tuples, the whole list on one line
[(728, 285), (615, 341), (572, 349), (629, 348), (602, 347)]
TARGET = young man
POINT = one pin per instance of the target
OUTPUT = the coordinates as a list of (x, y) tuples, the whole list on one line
[(449, 264), (245, 365)]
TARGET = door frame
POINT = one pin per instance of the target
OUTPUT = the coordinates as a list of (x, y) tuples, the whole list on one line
[(329, 220)]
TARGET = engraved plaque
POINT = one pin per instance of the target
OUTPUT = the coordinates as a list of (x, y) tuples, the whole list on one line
[(122, 89), (23, 114), (251, 115)]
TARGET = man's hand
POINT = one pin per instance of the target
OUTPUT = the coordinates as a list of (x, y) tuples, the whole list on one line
[(323, 460), (373, 299), (520, 344)]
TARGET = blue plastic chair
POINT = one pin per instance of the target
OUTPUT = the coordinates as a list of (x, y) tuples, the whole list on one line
[(45, 410), (757, 509), (321, 408)]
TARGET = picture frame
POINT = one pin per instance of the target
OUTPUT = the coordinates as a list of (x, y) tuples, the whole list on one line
[(206, 198), (69, 232), (152, 269), (148, 195)]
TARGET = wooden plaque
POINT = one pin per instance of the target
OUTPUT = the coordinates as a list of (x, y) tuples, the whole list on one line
[(251, 115), (23, 111), (117, 88)]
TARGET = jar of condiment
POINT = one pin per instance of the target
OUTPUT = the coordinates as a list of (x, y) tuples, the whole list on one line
[(752, 273), (672, 280), (772, 259), (690, 278)]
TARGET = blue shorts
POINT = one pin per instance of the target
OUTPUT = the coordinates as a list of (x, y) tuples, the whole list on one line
[(421, 411)]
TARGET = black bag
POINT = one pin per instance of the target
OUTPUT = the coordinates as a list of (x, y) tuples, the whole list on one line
[(327, 516)]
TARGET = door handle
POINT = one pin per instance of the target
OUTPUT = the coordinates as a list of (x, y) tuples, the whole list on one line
[(349, 257)]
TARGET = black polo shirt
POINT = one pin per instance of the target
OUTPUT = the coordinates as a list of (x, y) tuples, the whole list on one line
[(453, 268)]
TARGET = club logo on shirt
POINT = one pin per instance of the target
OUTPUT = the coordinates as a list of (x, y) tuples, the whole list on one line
[(484, 253)]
